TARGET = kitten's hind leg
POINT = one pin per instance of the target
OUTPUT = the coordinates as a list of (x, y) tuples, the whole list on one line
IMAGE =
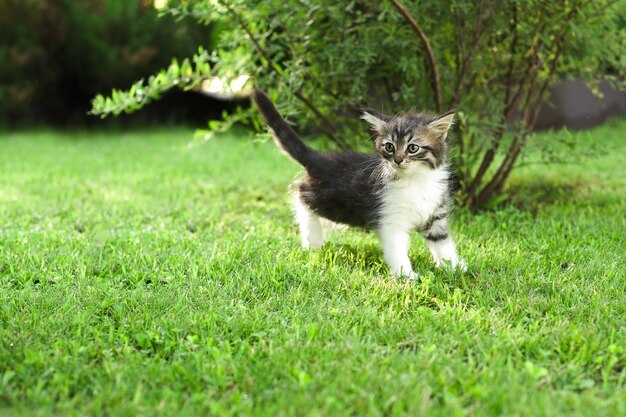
[(311, 231), (440, 243), (396, 250)]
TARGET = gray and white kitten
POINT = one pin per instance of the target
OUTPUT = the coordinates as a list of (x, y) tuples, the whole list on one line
[(404, 186)]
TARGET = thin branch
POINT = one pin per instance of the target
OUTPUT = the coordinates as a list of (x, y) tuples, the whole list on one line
[(505, 168), (467, 59), (342, 32), (460, 45), (509, 76), (436, 85), (532, 64), (541, 96), (329, 128), (531, 71)]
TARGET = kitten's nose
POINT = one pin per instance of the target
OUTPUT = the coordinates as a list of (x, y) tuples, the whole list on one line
[(398, 159)]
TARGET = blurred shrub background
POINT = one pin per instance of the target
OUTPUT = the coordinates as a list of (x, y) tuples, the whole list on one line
[(55, 55)]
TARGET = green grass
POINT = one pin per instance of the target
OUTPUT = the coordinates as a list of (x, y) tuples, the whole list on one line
[(141, 277)]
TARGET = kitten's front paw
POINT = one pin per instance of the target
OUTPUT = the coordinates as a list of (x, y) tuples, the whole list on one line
[(311, 245)]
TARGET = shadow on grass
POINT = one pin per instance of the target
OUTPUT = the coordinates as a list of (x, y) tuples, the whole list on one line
[(363, 255), (531, 196), (369, 257)]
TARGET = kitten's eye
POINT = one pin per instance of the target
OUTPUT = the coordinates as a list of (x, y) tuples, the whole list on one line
[(412, 148), (389, 147)]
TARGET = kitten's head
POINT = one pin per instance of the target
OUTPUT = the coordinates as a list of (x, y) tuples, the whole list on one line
[(412, 139)]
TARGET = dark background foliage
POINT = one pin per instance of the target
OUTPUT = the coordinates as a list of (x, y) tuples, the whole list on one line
[(55, 55)]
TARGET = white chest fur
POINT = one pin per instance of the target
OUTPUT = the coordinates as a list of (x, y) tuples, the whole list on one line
[(410, 200)]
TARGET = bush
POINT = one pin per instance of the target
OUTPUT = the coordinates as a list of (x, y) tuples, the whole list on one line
[(493, 60), (57, 54)]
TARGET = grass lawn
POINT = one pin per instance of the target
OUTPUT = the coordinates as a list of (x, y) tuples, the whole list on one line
[(141, 277)]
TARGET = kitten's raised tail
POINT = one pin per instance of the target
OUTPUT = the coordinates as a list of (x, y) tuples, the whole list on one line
[(283, 134)]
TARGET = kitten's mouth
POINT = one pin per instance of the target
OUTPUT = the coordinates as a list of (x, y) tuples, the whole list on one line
[(393, 167), (403, 167), (396, 167)]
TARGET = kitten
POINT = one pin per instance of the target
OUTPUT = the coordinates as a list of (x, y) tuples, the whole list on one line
[(402, 187)]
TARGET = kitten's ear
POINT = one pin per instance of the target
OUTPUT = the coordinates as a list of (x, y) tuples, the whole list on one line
[(375, 119), (442, 123)]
